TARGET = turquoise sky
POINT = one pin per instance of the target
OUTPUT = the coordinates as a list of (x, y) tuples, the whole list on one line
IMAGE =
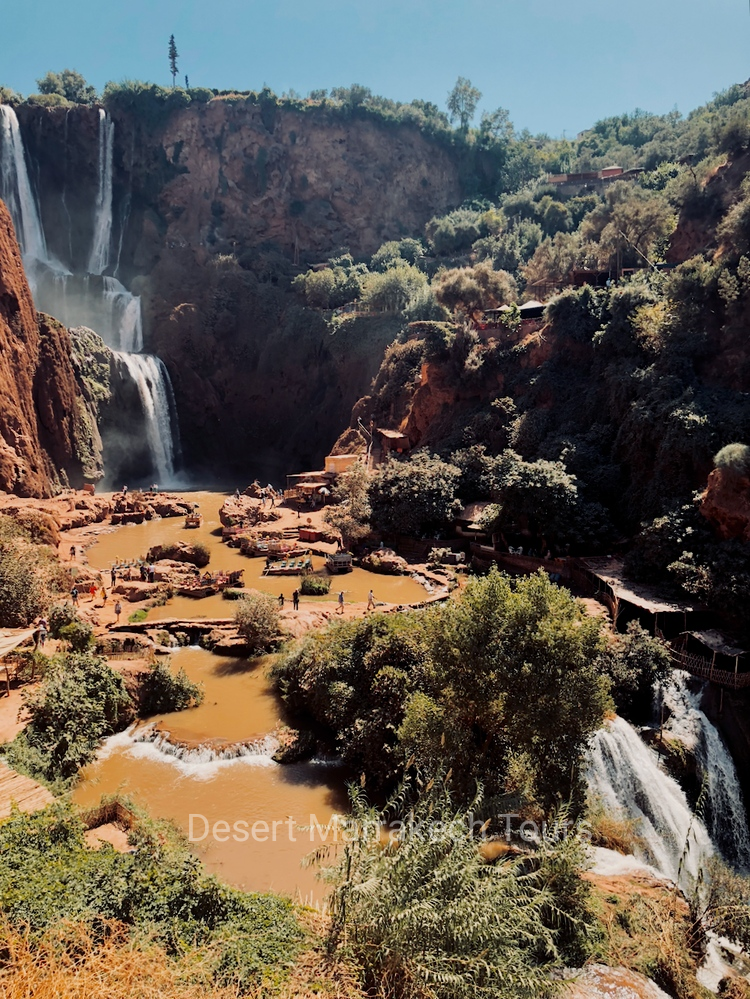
[(557, 66)]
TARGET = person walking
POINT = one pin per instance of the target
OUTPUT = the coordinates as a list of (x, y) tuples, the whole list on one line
[(74, 596), (113, 576), (72, 553), (42, 633), (370, 601), (104, 597), (118, 611), (92, 592), (151, 574), (295, 600), (281, 600), (340, 608)]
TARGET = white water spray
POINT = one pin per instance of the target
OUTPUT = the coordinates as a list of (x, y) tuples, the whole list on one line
[(624, 773), (151, 379), (725, 812), (94, 300), (99, 258)]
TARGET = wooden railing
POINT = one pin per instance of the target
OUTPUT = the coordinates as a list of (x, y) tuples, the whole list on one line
[(698, 666)]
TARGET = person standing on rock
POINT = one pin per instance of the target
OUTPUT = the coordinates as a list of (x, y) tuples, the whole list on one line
[(74, 596), (151, 574), (72, 553), (340, 608), (281, 600), (295, 600), (104, 597), (92, 592), (113, 576), (118, 611)]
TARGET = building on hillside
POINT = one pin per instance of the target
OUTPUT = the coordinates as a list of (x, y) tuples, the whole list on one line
[(592, 180)]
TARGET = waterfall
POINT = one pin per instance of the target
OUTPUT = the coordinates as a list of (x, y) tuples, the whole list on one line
[(725, 808), (263, 748), (624, 773), (152, 381), (92, 299), (99, 258), (17, 193)]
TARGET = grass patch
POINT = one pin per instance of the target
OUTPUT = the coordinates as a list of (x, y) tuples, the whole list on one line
[(137, 616), (315, 586)]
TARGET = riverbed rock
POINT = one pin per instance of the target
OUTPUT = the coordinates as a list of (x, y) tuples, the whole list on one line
[(134, 591), (597, 981), (386, 561), (226, 642), (180, 552), (246, 511)]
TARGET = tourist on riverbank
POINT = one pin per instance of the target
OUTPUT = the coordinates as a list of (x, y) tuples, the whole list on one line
[(370, 601), (92, 592), (118, 611), (74, 596), (103, 595), (72, 552), (281, 600), (151, 574), (340, 608), (295, 600), (113, 576)]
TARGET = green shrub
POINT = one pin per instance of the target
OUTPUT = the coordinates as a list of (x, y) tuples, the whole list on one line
[(162, 690), (81, 701), (229, 593), (137, 616), (257, 620), (734, 458), (78, 635), (59, 616), (315, 586)]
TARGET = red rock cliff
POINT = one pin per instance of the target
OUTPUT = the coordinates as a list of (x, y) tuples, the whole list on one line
[(40, 403)]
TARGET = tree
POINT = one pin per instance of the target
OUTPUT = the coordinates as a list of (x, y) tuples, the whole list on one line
[(415, 495), (173, 54), (68, 84), (462, 102), (475, 288), (351, 516), (393, 289), (257, 620), (496, 127)]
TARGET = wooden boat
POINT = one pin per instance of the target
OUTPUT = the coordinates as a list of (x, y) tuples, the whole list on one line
[(289, 566), (193, 520), (339, 562), (273, 547), (210, 583)]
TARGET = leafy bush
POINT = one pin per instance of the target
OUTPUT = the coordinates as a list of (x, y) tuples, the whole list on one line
[(475, 288), (257, 619), (415, 495), (61, 615), (315, 586), (634, 662), (49, 875), (77, 635), (138, 615), (393, 289), (162, 690), (734, 458), (81, 701)]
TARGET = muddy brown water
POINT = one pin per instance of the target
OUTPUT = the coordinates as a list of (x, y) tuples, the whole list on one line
[(185, 774), (134, 540), (239, 707)]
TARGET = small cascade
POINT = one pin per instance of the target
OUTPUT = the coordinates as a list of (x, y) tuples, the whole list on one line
[(152, 381), (125, 310), (725, 812), (624, 773), (99, 258), (206, 753)]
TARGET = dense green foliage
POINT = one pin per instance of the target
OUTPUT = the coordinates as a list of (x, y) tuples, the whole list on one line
[(504, 685), (29, 571), (426, 916), (81, 701), (414, 496), (48, 874), (162, 690), (315, 586), (257, 619)]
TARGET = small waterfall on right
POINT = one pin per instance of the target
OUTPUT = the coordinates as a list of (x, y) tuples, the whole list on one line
[(725, 812), (624, 774), (149, 375)]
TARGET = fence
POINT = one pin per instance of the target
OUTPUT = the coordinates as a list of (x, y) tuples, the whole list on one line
[(698, 666)]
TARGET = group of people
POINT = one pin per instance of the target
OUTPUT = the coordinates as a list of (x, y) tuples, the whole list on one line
[(75, 594), (340, 601)]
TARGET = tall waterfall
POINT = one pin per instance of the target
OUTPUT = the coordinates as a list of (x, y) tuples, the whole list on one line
[(92, 299), (99, 259), (624, 773), (17, 193), (151, 378), (725, 812)]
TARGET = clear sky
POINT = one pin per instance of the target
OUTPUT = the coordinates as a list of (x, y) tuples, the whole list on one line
[(557, 66)]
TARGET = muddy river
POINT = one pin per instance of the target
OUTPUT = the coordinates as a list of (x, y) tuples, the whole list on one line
[(241, 811)]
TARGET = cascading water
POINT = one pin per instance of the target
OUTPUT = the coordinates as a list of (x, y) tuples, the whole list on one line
[(151, 379), (99, 259), (624, 774), (93, 299), (725, 812)]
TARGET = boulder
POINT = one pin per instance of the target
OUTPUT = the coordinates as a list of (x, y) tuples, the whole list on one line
[(726, 503), (386, 561), (180, 551), (136, 591), (246, 511)]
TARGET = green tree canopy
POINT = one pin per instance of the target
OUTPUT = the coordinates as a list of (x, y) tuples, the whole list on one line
[(68, 84), (462, 102), (414, 495)]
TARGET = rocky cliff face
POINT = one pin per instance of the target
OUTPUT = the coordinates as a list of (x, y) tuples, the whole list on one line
[(42, 415), (260, 383), (725, 503)]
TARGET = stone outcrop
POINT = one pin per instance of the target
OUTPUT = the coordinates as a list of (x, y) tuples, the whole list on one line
[(246, 511), (42, 425), (726, 503)]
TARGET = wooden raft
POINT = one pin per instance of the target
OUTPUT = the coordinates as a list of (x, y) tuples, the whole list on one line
[(27, 794)]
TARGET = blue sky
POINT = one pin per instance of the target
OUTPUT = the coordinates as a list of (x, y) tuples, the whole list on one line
[(557, 66)]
